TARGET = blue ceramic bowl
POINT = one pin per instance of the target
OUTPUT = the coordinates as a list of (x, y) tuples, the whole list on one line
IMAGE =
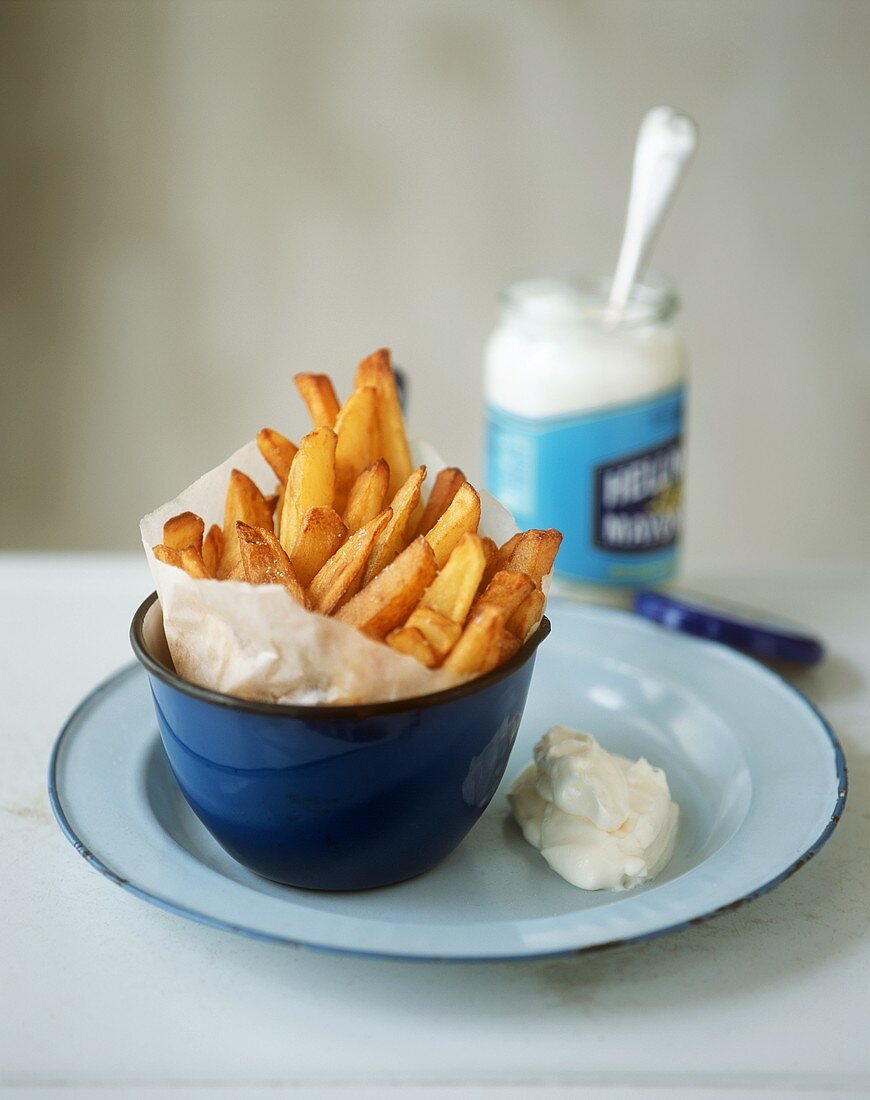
[(336, 797)]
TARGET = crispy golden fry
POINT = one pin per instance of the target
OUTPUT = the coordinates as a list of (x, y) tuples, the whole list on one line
[(409, 640), (508, 644), (278, 451), (367, 496), (506, 591), (479, 648), (527, 615), (386, 602), (321, 535), (244, 502), (341, 577), (441, 633), (446, 487), (462, 515), (187, 558), (490, 552), (356, 431), (531, 552), (281, 492), (183, 530), (310, 484), (317, 393), (264, 561), (442, 610), (212, 549), (453, 590), (377, 371), (393, 538)]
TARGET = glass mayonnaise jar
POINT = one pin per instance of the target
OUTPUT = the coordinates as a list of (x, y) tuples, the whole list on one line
[(584, 426)]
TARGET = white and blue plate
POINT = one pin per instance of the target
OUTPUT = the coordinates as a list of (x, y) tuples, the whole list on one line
[(757, 772)]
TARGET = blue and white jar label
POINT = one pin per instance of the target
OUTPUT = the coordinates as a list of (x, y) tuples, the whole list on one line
[(610, 481)]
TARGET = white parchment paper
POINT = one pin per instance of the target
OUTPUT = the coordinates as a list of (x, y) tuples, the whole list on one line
[(254, 641)]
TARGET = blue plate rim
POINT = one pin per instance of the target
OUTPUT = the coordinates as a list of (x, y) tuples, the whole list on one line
[(94, 861)]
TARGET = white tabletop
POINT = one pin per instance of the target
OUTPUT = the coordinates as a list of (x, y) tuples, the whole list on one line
[(102, 995)]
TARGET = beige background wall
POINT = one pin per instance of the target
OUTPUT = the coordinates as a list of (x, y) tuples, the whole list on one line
[(200, 198)]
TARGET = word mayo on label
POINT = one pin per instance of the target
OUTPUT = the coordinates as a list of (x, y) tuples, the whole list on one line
[(600, 821)]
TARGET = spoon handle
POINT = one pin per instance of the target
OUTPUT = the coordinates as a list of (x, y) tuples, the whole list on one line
[(665, 144)]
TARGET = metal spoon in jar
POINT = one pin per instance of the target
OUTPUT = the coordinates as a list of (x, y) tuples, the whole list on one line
[(665, 145)]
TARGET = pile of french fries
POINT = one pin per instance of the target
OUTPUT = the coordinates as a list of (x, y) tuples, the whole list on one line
[(419, 579)]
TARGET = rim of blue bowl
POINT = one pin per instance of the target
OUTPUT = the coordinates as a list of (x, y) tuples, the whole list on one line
[(154, 667)]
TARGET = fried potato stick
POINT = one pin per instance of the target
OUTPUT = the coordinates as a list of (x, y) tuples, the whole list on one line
[(393, 538), (356, 445), (189, 559), (461, 516), (341, 577), (183, 530), (264, 561), (479, 648), (409, 640), (447, 485), (385, 603), (442, 610), (244, 502), (367, 496), (527, 615), (310, 484), (278, 451), (321, 535), (317, 393), (212, 549), (531, 552), (377, 371)]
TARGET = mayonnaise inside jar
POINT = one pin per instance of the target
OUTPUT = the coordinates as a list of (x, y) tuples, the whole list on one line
[(584, 426)]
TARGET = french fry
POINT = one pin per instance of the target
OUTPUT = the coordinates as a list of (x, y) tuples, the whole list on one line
[(264, 561), (212, 548), (490, 552), (442, 610), (341, 577), (506, 591), (385, 603), (409, 640), (477, 651), (183, 530), (453, 590), (446, 487), (367, 496), (188, 558), (527, 615), (377, 371), (393, 538), (461, 516), (244, 502), (321, 534), (310, 483), (531, 552), (508, 644), (278, 451), (317, 393), (279, 506), (441, 633), (356, 446)]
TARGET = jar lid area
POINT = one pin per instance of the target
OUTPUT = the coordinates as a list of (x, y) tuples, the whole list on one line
[(556, 302)]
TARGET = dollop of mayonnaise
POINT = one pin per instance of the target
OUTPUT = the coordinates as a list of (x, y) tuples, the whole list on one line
[(599, 820)]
